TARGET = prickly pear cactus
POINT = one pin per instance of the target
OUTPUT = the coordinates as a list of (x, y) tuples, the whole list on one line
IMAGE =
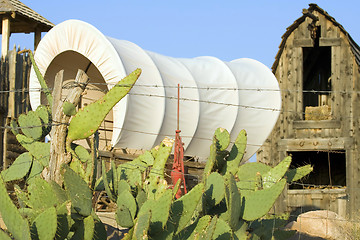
[(88, 120)]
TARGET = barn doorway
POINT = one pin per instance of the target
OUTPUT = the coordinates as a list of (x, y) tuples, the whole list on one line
[(329, 169), (316, 75)]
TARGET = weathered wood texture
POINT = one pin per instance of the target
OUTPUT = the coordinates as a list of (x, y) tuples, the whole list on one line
[(292, 132), (14, 99)]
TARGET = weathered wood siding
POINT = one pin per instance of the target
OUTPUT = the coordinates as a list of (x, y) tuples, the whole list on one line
[(341, 132)]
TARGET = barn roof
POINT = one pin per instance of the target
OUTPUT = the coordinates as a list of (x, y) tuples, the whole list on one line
[(314, 7), (24, 19)]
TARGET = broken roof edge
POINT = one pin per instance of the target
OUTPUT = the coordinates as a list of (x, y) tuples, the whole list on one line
[(312, 6)]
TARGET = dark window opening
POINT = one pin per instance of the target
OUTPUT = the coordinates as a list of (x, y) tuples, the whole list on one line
[(316, 75), (329, 169)]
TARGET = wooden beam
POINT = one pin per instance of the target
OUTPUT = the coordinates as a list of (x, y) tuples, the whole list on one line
[(316, 144), (305, 42), (313, 124), (37, 37), (5, 36), (325, 42)]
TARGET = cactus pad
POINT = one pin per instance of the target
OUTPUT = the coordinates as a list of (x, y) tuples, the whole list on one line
[(126, 199), (236, 154), (69, 109), (297, 173), (45, 224), (41, 194), (258, 203), (78, 191), (31, 125), (19, 168), (214, 189), (183, 208), (88, 119), (14, 222), (39, 150), (276, 173)]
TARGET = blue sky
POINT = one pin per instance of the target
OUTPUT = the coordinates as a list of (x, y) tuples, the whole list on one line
[(190, 28), (224, 29)]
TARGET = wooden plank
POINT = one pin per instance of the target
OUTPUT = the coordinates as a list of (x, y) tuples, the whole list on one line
[(12, 78), (312, 124), (5, 36), (315, 144), (327, 42), (37, 38), (304, 42)]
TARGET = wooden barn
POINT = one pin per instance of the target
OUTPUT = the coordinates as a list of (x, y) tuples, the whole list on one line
[(318, 70)]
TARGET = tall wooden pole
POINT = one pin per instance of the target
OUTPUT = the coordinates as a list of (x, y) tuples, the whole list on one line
[(37, 37), (5, 36)]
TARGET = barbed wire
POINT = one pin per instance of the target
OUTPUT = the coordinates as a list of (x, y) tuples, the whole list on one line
[(313, 114), (208, 88)]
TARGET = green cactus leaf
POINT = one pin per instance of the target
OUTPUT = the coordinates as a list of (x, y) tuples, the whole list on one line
[(63, 220), (236, 154), (108, 190), (22, 197), (114, 180), (45, 224), (88, 119), (296, 174), (160, 212), (276, 173), (183, 208), (258, 203), (99, 230), (214, 189), (123, 217), (141, 198), (31, 125), (147, 206), (209, 232), (13, 220), (69, 109), (89, 227), (123, 186), (249, 170), (147, 158), (218, 152), (44, 113), (4, 236), (223, 138), (222, 230), (36, 170), (142, 226), (59, 192), (14, 127), (240, 230), (156, 175), (233, 202), (40, 78), (99, 185), (127, 200), (41, 194), (81, 153), (201, 227), (131, 173), (19, 168), (78, 167), (78, 192), (157, 171), (129, 235), (39, 150)]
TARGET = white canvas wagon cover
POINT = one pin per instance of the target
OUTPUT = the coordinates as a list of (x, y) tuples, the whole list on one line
[(240, 94)]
